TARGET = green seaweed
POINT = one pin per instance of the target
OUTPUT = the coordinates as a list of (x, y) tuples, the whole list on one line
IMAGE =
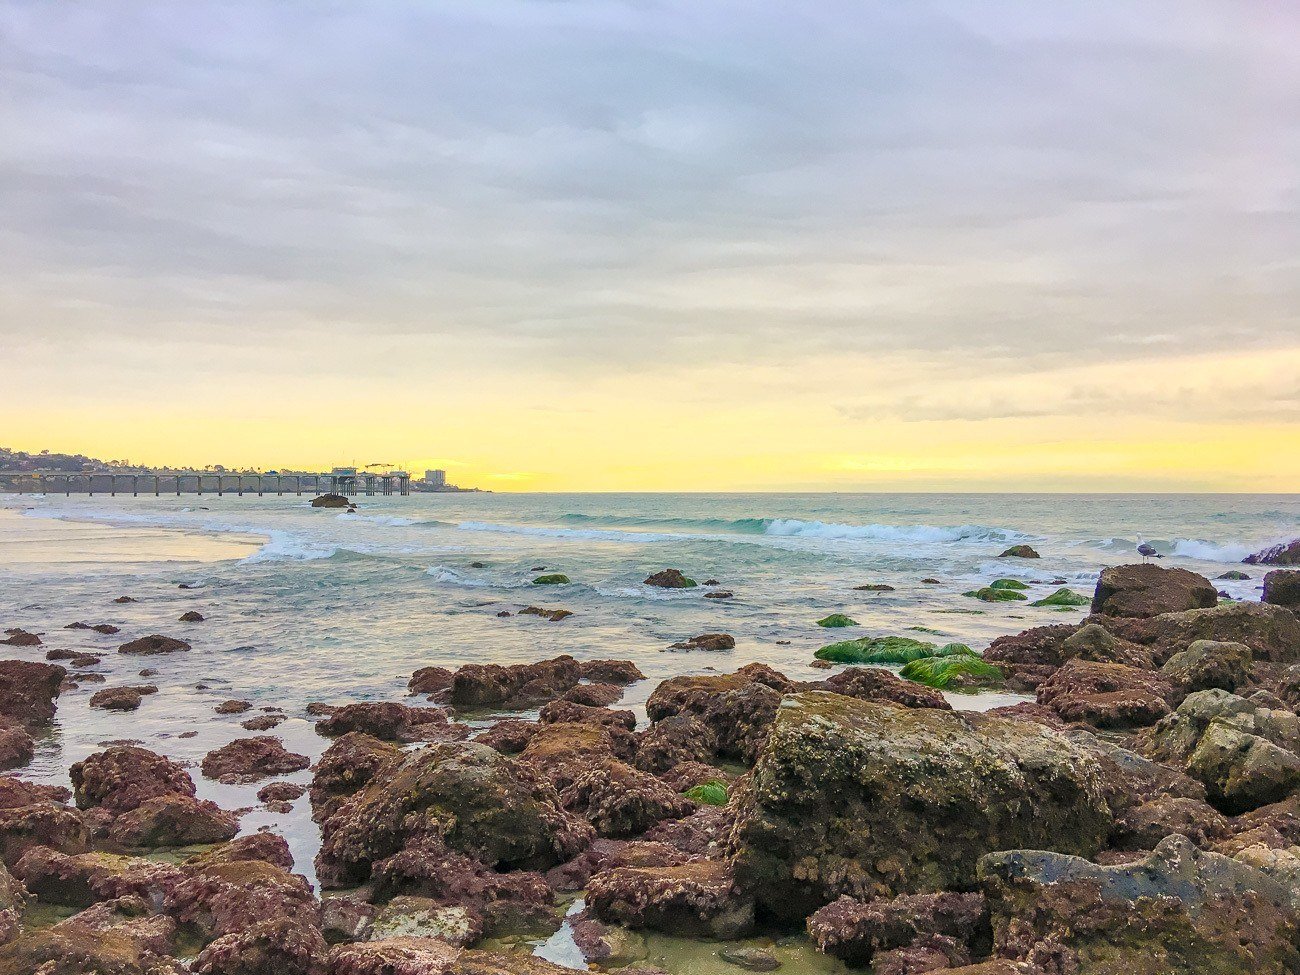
[(712, 793), (990, 595), (885, 650), (555, 579), (943, 672), (1007, 584), (1063, 597), (836, 620)]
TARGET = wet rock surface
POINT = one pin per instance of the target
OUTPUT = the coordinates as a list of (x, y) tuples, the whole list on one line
[(1146, 590)]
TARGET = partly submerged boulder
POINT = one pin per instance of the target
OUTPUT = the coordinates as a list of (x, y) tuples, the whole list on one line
[(866, 799), (149, 646), (28, 690), (251, 759), (330, 501), (1286, 553), (1146, 590), (1282, 588), (670, 579), (1019, 552), (1179, 911)]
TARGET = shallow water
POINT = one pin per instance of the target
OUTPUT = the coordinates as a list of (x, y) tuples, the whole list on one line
[(312, 605)]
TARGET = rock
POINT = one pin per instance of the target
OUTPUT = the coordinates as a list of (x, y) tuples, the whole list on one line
[(1241, 770), (431, 680), (511, 736), (281, 792), (931, 953), (1145, 590), (939, 789), (21, 638), (126, 599), (673, 740), (83, 879), (875, 684), (1282, 588), (1233, 574), (737, 707), (28, 690), (1179, 911), (514, 686), (1144, 826), (696, 899), (117, 699), (569, 712), (1271, 632), (1019, 552), (707, 641), (554, 579), (148, 646), (251, 759), (593, 695), (279, 945), (565, 750), (1094, 642), (990, 595), (173, 820), (233, 707), (1039, 645), (16, 746), (1207, 664), (877, 587), (620, 801), (749, 958), (1107, 695), (331, 501), (263, 722), (394, 956), (855, 931), (78, 951), (390, 721), (348, 765), (719, 594), (670, 579), (130, 917), (479, 802), (191, 617), (620, 672), (554, 615), (124, 777), (1287, 553), (836, 621), (226, 898), (264, 846), (1062, 597)]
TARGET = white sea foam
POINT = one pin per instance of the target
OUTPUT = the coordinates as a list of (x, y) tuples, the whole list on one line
[(456, 577), (287, 547), (795, 528), (573, 534), (1197, 548)]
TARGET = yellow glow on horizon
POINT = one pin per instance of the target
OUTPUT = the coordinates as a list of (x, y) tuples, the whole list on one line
[(819, 424)]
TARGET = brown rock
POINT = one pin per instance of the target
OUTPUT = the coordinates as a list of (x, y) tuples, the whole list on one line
[(263, 722), (281, 945), (700, 899), (28, 690), (516, 685), (250, 759), (16, 746), (511, 736), (281, 792), (117, 699), (1019, 552), (876, 684), (391, 721), (148, 646), (124, 777), (738, 708), (1107, 695), (1144, 826), (620, 801), (1145, 590), (554, 615), (669, 579), (191, 617), (856, 931), (431, 680), (1282, 588), (1287, 553), (233, 707), (173, 820), (674, 740), (225, 898), (707, 641), (264, 846), (77, 951), (620, 672), (21, 638), (593, 695), (347, 766)]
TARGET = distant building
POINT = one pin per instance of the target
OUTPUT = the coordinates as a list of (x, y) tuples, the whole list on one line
[(435, 479)]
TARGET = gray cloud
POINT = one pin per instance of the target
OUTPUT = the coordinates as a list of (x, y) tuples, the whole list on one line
[(587, 185)]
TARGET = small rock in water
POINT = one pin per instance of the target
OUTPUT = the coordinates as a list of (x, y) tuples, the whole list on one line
[(878, 587), (719, 594), (125, 599), (670, 579), (191, 617), (751, 959), (707, 641), (1019, 552), (232, 707)]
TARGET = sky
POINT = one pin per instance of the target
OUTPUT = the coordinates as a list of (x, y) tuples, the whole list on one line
[(567, 245)]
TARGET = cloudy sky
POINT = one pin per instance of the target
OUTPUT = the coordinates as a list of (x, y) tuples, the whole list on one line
[(556, 244)]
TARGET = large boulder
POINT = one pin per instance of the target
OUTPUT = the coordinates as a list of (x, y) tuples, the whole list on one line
[(1282, 588), (1179, 911), (1207, 664), (738, 708), (859, 931), (469, 796), (866, 799), (696, 899), (124, 777), (1244, 754), (1287, 553), (1146, 590), (347, 766), (1106, 695), (82, 951), (28, 690), (1271, 632)]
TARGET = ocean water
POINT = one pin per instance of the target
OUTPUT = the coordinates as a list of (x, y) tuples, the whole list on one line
[(307, 604)]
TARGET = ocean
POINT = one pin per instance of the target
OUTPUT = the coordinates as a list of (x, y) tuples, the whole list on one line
[(304, 604)]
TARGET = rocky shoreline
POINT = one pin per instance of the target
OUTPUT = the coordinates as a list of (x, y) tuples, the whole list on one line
[(1141, 815)]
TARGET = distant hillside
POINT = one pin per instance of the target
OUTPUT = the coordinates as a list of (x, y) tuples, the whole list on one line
[(20, 461)]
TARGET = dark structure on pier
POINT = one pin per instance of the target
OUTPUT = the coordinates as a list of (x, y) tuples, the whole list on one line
[(347, 482)]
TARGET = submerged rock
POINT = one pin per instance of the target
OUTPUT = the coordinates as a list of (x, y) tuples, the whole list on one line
[(938, 791), (707, 641), (1179, 911), (670, 579), (1145, 590), (251, 759), (1019, 552), (148, 646), (28, 690)]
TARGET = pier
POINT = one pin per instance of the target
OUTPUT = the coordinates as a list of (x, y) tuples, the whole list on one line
[(349, 484)]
